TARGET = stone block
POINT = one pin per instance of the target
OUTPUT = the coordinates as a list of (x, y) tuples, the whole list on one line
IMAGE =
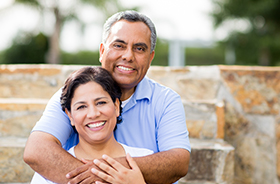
[(32, 81), (278, 144), (191, 83), (12, 167), (18, 116), (205, 118), (212, 161), (257, 89)]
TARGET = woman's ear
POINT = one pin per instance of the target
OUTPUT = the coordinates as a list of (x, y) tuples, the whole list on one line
[(117, 107), (70, 117)]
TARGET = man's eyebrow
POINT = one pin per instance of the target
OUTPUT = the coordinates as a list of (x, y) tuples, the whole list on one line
[(121, 41), (142, 45)]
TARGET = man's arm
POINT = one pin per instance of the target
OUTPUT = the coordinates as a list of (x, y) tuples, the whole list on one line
[(44, 154), (162, 167)]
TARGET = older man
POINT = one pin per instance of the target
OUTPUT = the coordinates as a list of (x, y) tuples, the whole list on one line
[(153, 115)]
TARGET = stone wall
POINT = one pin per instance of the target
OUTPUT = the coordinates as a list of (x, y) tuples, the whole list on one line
[(251, 98), (236, 104)]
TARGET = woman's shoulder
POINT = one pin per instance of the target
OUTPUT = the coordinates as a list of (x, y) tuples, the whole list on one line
[(137, 152)]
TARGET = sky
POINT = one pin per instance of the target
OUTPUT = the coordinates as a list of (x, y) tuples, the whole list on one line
[(174, 19)]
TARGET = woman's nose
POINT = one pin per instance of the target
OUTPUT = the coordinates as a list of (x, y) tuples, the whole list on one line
[(93, 112)]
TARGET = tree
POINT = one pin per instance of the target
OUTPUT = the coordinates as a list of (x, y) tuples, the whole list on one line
[(255, 29), (64, 12), (26, 48)]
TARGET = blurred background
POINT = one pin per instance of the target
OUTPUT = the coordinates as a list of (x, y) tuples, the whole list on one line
[(202, 32)]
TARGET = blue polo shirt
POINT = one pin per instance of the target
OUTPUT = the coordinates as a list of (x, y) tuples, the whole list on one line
[(154, 118)]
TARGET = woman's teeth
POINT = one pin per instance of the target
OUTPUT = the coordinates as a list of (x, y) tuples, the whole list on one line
[(95, 125)]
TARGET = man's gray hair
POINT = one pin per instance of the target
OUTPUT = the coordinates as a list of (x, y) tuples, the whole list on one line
[(131, 16)]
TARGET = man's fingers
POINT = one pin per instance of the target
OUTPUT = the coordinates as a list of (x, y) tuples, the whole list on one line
[(76, 171), (82, 175), (79, 179), (85, 161)]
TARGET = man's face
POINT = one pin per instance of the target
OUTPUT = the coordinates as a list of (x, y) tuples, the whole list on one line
[(126, 53)]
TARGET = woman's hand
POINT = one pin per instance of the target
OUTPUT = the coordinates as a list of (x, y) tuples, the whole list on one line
[(117, 173)]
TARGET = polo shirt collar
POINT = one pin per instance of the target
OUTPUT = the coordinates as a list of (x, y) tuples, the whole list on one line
[(143, 91)]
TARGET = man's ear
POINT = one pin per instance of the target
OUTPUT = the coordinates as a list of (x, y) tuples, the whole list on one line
[(152, 55), (101, 51), (70, 117)]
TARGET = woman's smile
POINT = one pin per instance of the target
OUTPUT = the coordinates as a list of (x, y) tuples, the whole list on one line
[(95, 125)]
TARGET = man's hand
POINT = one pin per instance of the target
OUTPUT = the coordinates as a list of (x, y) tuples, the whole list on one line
[(116, 173), (83, 174)]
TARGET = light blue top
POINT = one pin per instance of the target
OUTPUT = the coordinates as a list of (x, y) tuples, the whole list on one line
[(154, 118)]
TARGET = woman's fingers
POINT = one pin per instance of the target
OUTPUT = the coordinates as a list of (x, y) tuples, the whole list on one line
[(131, 162), (116, 165), (102, 175)]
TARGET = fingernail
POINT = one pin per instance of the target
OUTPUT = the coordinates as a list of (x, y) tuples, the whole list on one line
[(95, 161)]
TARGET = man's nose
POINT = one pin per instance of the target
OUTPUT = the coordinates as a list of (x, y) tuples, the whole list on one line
[(128, 55)]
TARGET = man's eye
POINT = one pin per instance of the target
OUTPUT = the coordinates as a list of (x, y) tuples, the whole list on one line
[(118, 46), (140, 48)]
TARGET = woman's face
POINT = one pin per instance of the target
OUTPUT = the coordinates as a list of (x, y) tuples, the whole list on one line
[(93, 113)]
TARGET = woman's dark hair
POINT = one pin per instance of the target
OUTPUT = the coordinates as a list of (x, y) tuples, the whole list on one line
[(90, 74)]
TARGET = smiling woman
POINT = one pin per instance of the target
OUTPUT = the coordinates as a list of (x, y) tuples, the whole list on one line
[(91, 99)]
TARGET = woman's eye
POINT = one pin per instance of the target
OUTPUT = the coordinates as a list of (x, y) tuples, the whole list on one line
[(101, 103), (81, 107)]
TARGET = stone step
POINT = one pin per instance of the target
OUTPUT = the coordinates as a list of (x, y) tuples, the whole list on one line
[(204, 119), (32, 81), (18, 116), (212, 161), (12, 167)]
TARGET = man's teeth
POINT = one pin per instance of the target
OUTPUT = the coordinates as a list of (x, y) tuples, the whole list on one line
[(124, 68), (95, 125)]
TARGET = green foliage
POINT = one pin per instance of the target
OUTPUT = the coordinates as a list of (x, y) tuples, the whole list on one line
[(260, 44), (161, 53), (26, 49), (80, 58), (204, 56), (193, 56), (33, 3)]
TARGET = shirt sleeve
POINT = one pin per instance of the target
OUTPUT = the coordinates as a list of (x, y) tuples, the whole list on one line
[(54, 120), (172, 130)]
